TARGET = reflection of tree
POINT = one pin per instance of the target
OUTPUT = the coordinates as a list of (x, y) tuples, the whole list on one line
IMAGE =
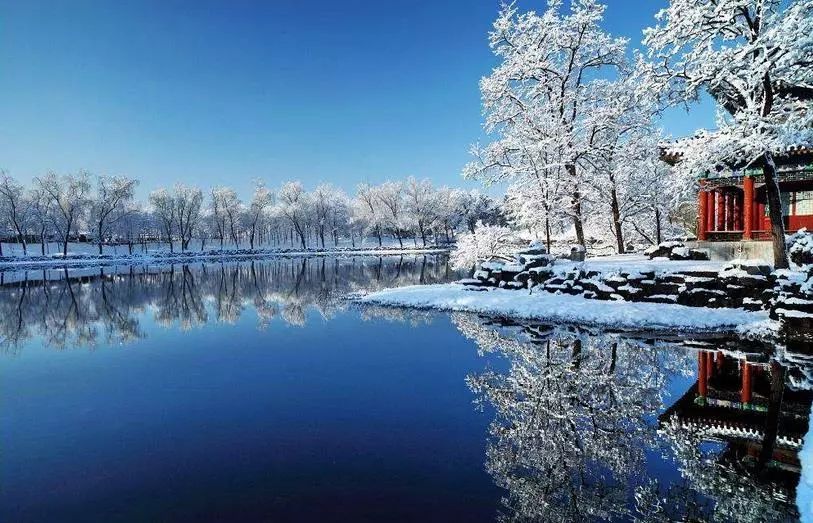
[(573, 418), (577, 411), (78, 308)]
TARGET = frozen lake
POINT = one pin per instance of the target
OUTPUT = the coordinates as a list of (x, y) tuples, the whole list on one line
[(255, 391)]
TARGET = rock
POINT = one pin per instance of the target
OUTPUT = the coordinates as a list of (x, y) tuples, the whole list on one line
[(700, 297), (661, 298), (471, 282), (675, 250), (800, 247)]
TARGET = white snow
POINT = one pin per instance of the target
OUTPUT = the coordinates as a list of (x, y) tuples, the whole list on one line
[(564, 308), (636, 263)]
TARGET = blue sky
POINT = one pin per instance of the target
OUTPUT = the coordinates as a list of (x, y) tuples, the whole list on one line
[(225, 92)]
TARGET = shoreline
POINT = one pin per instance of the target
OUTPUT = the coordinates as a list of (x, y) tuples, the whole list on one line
[(18, 263), (562, 308)]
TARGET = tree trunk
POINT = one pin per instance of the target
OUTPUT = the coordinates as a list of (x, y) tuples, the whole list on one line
[(576, 203), (547, 231), (658, 225), (577, 217), (780, 254), (772, 417), (619, 234)]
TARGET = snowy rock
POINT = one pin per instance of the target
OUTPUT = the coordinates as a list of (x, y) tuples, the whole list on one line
[(800, 247), (675, 250), (578, 253)]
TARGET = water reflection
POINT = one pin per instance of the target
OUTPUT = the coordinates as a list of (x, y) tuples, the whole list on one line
[(87, 307), (589, 425)]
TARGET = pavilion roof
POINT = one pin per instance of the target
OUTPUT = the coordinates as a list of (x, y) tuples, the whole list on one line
[(673, 152)]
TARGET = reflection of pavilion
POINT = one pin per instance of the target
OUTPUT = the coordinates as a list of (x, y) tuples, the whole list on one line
[(743, 402)]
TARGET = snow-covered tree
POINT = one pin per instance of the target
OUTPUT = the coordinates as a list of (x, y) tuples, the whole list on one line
[(755, 57), (323, 201), (188, 203), (294, 206), (69, 196), (41, 210), (391, 196), (164, 209), (15, 208), (113, 198), (226, 207), (421, 205), (261, 202), (367, 209), (537, 100), (485, 243)]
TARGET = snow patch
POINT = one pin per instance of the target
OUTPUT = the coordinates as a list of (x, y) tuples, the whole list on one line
[(565, 308)]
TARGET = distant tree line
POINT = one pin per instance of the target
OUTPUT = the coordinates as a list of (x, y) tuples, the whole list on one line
[(104, 210)]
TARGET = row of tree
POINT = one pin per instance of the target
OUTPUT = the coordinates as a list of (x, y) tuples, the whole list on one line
[(105, 210), (573, 112)]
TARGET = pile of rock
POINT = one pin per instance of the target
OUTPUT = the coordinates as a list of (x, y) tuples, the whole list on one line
[(515, 273), (738, 284), (675, 250), (800, 247), (793, 299)]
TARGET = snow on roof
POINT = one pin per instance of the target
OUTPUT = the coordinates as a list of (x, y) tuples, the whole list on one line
[(672, 152)]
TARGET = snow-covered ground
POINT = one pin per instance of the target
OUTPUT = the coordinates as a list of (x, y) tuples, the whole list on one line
[(638, 263), (555, 308)]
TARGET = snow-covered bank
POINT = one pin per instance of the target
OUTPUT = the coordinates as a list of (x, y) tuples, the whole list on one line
[(83, 260), (564, 308), (637, 263)]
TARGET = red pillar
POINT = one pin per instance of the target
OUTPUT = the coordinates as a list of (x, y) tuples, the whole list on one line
[(748, 207), (745, 391), (702, 376), (702, 211), (729, 210), (710, 211), (737, 211), (719, 211)]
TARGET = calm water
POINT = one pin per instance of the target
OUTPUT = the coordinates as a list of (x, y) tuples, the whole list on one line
[(255, 392)]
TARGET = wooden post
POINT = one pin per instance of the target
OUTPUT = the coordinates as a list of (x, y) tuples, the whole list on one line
[(710, 211), (729, 210), (702, 211), (748, 207)]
